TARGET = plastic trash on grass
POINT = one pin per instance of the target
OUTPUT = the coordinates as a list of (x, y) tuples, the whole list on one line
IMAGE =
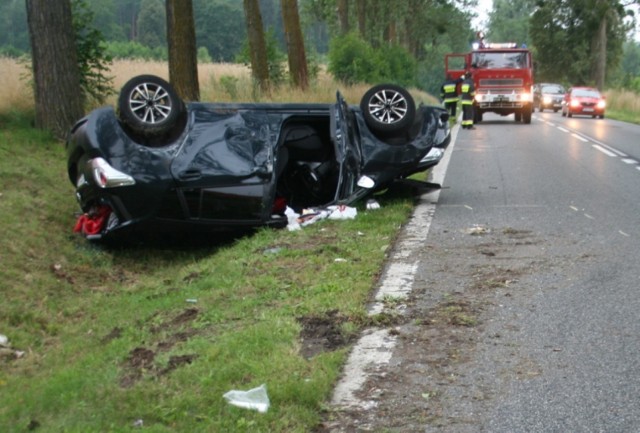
[(256, 398)]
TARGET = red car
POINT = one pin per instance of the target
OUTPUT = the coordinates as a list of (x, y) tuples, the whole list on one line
[(586, 101)]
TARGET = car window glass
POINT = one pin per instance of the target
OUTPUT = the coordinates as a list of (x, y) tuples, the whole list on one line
[(586, 93), (500, 60), (552, 89)]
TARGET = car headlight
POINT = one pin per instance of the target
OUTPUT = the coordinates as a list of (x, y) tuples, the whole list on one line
[(106, 176), (601, 104), (547, 99), (574, 103)]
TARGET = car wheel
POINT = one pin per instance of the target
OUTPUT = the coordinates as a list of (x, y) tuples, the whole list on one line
[(388, 109), (569, 114), (150, 106), (601, 116), (541, 109)]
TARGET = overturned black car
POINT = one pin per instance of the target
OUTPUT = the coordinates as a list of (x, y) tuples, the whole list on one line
[(157, 161)]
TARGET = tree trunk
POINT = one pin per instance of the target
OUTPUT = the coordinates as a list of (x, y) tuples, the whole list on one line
[(183, 59), (257, 44), (295, 44), (342, 7), (56, 74), (362, 18), (600, 51)]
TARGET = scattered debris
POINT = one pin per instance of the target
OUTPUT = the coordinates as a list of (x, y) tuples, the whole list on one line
[(256, 398), (6, 351), (372, 204), (312, 215), (478, 230)]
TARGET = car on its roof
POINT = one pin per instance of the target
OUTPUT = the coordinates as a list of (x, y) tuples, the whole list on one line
[(587, 101), (156, 162), (548, 96)]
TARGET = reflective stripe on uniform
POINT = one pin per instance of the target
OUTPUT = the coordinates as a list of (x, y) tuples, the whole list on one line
[(449, 88)]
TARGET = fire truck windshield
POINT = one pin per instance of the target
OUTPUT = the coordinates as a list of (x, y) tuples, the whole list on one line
[(499, 60)]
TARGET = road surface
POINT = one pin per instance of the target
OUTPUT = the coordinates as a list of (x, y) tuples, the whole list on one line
[(514, 290)]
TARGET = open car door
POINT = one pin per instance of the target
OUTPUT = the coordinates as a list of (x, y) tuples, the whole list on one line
[(348, 153), (455, 65)]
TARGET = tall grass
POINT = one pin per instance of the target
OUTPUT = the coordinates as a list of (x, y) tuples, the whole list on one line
[(623, 105), (219, 82)]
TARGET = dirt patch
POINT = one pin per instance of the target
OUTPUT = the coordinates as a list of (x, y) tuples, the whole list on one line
[(141, 361), (323, 333)]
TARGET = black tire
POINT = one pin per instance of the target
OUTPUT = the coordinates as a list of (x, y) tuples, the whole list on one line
[(150, 107), (388, 109), (526, 116)]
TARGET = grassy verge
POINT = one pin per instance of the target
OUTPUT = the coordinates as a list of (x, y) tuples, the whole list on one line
[(106, 339)]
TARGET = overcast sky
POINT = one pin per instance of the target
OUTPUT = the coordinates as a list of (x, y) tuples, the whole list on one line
[(484, 7)]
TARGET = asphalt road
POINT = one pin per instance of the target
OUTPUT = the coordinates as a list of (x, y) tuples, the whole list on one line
[(521, 313)]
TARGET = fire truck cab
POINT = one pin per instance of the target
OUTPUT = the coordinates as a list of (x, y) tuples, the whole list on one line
[(502, 75)]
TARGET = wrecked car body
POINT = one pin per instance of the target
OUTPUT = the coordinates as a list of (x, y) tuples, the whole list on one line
[(158, 162)]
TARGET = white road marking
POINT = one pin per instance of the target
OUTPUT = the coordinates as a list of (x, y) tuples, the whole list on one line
[(603, 150), (629, 161), (372, 351), (375, 347), (579, 137)]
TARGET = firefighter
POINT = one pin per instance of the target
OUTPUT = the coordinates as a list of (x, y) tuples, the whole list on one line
[(467, 93), (449, 95)]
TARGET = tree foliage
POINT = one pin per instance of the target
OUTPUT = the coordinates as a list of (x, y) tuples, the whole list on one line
[(509, 21), (566, 37), (562, 34), (93, 60)]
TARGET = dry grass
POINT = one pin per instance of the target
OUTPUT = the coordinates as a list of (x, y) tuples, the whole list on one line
[(15, 91), (623, 100), (222, 82)]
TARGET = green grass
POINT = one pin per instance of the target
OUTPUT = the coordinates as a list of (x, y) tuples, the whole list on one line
[(159, 333)]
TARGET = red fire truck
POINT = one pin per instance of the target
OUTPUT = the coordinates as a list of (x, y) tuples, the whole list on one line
[(502, 75)]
